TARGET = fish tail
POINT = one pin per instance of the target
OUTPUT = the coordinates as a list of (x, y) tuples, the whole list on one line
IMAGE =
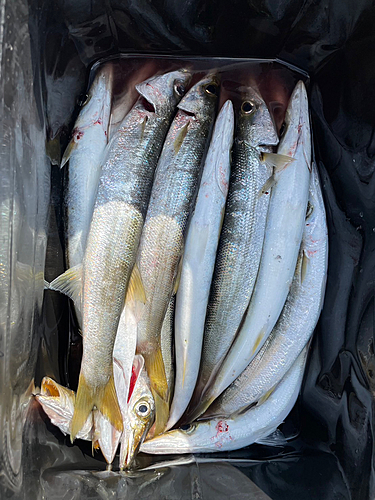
[(159, 388), (104, 398)]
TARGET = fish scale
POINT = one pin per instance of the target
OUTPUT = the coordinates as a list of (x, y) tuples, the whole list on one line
[(199, 260), (240, 242), (123, 195), (283, 236), (237, 431), (84, 153), (297, 320), (162, 241)]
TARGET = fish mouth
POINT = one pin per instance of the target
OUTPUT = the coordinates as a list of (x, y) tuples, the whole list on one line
[(49, 388), (133, 440)]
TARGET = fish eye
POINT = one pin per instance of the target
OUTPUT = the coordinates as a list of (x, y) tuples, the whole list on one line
[(143, 409), (179, 89), (248, 107), (211, 89), (188, 429)]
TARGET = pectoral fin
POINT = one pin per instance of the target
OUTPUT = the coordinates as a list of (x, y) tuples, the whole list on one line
[(135, 289), (276, 161), (68, 152), (267, 186), (304, 266), (70, 283)]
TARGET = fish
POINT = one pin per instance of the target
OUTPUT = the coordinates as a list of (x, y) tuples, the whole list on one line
[(283, 236), (58, 403), (237, 431), (241, 238), (132, 391), (125, 371), (84, 154), (99, 287), (297, 321), (162, 242), (139, 417), (199, 260), (124, 102)]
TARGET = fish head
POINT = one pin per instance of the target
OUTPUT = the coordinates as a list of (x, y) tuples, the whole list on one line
[(140, 414), (184, 438), (255, 123), (97, 106), (202, 98), (296, 124), (162, 92), (58, 404)]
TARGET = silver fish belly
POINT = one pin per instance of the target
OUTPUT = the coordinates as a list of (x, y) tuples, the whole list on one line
[(199, 260), (283, 236), (297, 320), (162, 241), (241, 239), (123, 195), (236, 431), (85, 153)]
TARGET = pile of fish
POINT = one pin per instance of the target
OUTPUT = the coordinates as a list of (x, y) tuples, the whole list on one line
[(197, 252)]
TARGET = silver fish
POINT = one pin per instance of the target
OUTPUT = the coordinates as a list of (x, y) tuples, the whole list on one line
[(297, 320), (123, 195), (58, 403), (283, 236), (236, 431), (241, 238), (140, 414), (124, 102), (199, 260), (84, 153), (162, 241)]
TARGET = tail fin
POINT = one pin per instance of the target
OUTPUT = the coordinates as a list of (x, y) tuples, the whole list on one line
[(159, 388), (105, 400)]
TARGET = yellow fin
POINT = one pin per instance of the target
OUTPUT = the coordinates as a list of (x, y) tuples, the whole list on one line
[(68, 152), (156, 372), (180, 138), (135, 289), (70, 283), (178, 276), (304, 266), (105, 400), (267, 186), (200, 409), (265, 396), (279, 162), (257, 342), (159, 388)]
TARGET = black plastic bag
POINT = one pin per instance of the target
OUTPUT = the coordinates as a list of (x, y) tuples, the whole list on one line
[(46, 50)]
